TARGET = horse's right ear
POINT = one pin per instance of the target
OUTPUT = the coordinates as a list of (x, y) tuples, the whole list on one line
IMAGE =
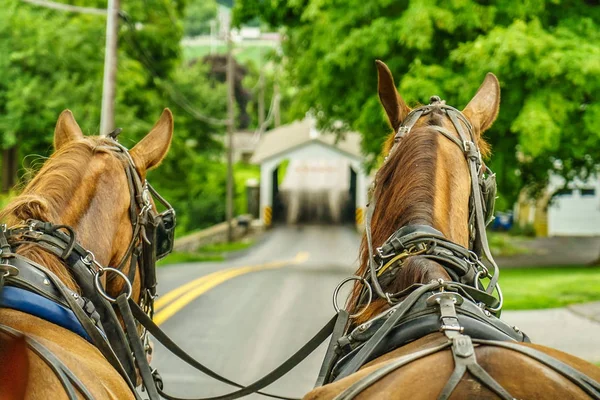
[(395, 107), (151, 150), (66, 129)]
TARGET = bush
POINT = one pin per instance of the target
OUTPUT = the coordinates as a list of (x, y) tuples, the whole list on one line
[(525, 230)]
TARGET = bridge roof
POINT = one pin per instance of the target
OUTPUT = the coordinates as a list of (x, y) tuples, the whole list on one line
[(287, 138)]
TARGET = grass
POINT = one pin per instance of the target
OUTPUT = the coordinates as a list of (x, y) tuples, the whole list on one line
[(536, 288), (212, 252), (181, 257)]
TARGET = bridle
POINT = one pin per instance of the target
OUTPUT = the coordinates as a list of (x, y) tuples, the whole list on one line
[(152, 239), (464, 265)]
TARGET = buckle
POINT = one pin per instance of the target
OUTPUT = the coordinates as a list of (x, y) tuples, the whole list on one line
[(451, 324)]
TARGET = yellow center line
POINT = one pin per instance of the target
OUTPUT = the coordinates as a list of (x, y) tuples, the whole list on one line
[(182, 296)]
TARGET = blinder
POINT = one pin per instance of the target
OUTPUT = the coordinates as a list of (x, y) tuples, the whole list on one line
[(165, 223)]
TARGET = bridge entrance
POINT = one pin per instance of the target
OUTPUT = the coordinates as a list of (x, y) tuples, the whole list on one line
[(309, 177)]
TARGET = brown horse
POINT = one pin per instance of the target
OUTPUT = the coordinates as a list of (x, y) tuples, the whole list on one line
[(426, 181), (83, 185)]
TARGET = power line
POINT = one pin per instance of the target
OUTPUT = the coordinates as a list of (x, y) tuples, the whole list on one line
[(66, 7), (176, 96)]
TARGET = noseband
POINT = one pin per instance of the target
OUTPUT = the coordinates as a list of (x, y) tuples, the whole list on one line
[(462, 264)]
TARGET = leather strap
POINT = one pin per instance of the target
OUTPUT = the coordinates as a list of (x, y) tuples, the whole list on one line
[(463, 353), (68, 380), (136, 345), (363, 355), (357, 388), (255, 387), (330, 355), (587, 384), (98, 340)]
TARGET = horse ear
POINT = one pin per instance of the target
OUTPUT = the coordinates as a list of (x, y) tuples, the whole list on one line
[(152, 149), (395, 107), (66, 129), (482, 110)]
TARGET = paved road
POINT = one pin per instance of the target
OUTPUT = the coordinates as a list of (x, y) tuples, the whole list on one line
[(247, 325)]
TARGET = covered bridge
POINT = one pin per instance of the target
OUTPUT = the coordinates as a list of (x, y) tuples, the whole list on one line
[(310, 176)]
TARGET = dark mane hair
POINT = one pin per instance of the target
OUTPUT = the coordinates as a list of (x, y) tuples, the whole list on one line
[(404, 192)]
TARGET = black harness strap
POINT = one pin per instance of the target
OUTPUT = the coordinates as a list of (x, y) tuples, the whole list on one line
[(463, 353), (99, 341), (587, 384), (355, 389), (401, 310), (338, 331), (136, 345)]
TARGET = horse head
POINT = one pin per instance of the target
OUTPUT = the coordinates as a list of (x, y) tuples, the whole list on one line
[(86, 185), (425, 179)]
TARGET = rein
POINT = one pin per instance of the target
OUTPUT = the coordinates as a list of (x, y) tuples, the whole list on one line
[(124, 349)]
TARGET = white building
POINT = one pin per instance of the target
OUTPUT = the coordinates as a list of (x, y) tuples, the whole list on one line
[(573, 210)]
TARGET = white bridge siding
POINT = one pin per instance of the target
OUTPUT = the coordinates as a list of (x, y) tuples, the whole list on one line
[(576, 211), (309, 156)]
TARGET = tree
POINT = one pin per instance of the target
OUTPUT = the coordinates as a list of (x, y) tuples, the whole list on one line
[(198, 15), (545, 53), (54, 60)]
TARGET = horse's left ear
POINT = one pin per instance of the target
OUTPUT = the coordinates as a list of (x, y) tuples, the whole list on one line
[(394, 105), (482, 110), (152, 149)]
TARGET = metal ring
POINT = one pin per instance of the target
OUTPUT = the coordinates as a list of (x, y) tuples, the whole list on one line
[(342, 283), (476, 281), (101, 290), (500, 300)]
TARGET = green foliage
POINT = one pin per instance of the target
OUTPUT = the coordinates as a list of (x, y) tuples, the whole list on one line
[(198, 15), (546, 54), (242, 173), (53, 60)]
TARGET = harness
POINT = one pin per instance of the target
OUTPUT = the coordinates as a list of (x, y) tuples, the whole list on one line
[(464, 309), (432, 307), (463, 265), (30, 287)]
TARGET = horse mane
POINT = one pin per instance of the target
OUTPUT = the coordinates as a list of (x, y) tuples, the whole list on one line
[(403, 194), (47, 194)]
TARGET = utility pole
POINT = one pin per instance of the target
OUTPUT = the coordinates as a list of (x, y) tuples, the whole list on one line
[(261, 93), (276, 108), (230, 128), (107, 116)]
